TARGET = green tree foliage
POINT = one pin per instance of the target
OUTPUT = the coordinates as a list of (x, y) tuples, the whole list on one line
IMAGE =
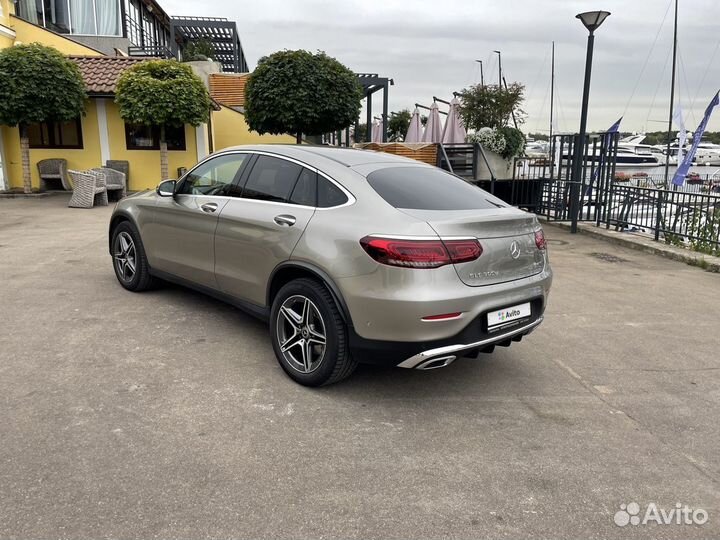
[(398, 125), (301, 92), (162, 93), (491, 105), (514, 142), (37, 84), (199, 49), (657, 137), (361, 133), (661, 137)]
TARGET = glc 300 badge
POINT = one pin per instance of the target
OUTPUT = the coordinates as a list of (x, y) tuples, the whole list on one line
[(480, 275)]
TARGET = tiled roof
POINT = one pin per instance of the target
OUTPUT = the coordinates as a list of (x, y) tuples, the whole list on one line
[(228, 88), (101, 73)]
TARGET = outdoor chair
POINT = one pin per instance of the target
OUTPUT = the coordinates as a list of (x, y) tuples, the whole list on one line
[(89, 189), (53, 170), (114, 181), (120, 165)]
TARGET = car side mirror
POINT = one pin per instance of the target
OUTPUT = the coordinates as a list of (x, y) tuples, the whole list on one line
[(166, 188)]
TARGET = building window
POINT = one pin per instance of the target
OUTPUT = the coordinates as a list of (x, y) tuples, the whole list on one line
[(56, 134), (139, 137), (132, 16), (89, 17), (57, 15)]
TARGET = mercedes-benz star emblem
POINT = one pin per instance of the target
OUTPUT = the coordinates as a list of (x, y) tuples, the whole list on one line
[(514, 249)]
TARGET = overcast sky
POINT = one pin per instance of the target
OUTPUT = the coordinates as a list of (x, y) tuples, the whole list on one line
[(429, 48)]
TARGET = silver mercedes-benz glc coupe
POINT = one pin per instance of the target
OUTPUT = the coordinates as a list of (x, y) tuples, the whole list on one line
[(352, 256)]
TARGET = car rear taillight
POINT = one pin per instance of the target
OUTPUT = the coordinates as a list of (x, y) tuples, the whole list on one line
[(540, 241), (420, 253), (463, 250)]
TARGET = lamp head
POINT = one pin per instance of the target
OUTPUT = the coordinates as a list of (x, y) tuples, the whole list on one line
[(593, 19)]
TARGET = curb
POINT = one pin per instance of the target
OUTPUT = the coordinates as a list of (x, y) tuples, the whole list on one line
[(628, 240), (11, 195)]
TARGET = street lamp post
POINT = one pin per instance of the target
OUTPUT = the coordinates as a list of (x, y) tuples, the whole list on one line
[(482, 79), (499, 69), (592, 21)]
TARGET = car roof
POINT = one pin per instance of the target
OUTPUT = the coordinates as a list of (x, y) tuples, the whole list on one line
[(347, 157)]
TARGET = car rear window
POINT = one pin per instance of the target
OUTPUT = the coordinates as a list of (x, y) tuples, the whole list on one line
[(427, 188)]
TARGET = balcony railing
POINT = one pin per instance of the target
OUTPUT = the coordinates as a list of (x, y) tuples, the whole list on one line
[(155, 51)]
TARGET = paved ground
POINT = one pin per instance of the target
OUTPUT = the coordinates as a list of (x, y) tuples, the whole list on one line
[(164, 414)]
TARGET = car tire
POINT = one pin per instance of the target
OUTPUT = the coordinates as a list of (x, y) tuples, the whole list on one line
[(308, 334), (129, 260)]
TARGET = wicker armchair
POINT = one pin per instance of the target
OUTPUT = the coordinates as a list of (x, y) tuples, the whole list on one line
[(53, 170), (89, 189), (120, 165), (114, 181)]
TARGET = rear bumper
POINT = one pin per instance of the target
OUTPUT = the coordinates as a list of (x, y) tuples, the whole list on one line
[(443, 356), (474, 338), (391, 304)]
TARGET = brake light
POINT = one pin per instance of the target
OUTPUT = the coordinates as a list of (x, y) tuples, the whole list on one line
[(420, 253), (540, 241)]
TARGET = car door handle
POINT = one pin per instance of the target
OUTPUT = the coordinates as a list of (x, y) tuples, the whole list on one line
[(285, 219), (209, 207)]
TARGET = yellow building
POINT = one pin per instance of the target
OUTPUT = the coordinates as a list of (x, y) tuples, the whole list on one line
[(101, 134)]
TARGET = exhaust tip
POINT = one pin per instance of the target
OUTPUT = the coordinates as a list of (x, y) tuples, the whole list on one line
[(437, 363)]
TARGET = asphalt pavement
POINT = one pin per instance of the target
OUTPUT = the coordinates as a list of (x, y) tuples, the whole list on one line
[(165, 414)]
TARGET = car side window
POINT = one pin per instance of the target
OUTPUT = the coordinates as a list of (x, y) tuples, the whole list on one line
[(329, 195), (271, 179), (305, 188), (214, 177)]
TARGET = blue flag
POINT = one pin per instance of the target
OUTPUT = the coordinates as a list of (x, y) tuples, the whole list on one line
[(682, 170), (608, 135), (616, 126)]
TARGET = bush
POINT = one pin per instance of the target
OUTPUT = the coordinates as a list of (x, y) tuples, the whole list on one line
[(514, 142), (507, 141), (162, 93), (200, 49), (37, 84), (491, 105), (301, 92), (490, 139)]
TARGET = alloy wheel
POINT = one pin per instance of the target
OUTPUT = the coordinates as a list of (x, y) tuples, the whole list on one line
[(301, 333), (125, 256)]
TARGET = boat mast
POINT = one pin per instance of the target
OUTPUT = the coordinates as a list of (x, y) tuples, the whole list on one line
[(552, 90), (672, 96)]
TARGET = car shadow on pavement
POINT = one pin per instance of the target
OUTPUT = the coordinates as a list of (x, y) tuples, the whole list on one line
[(464, 377)]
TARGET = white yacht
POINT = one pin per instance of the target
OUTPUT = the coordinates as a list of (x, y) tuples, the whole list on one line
[(537, 149), (632, 153), (707, 154)]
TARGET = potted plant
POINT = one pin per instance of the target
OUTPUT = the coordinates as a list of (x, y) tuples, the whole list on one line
[(487, 111)]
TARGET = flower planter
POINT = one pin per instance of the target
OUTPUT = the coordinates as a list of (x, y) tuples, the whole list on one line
[(501, 167)]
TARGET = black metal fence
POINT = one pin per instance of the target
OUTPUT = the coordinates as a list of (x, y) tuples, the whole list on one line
[(564, 198), (694, 182), (686, 215), (678, 217)]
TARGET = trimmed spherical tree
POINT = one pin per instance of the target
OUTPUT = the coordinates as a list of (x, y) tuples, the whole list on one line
[(398, 125), (37, 84), (162, 93), (300, 92)]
